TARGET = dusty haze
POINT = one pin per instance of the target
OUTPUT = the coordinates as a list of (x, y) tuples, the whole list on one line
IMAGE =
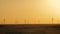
[(32, 11)]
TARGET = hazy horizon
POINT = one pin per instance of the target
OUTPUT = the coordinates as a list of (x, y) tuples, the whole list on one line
[(32, 10)]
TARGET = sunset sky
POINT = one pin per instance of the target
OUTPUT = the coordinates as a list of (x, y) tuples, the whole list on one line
[(29, 10)]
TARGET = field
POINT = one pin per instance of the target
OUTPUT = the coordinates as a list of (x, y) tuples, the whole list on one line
[(29, 29)]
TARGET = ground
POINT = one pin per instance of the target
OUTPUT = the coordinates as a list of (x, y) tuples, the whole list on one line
[(29, 29)]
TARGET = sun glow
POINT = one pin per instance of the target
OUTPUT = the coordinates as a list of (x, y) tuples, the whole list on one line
[(30, 10), (55, 4)]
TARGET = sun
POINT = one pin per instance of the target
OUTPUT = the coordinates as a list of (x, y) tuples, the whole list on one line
[(55, 4)]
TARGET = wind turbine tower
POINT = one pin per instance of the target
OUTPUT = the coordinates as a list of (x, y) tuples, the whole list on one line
[(4, 20), (52, 20)]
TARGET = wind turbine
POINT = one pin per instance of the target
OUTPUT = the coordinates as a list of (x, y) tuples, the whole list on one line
[(38, 21), (25, 21), (57, 21), (4, 20), (16, 22), (52, 19)]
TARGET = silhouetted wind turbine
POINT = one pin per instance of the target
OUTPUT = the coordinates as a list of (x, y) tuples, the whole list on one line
[(57, 21), (4, 20), (25, 21), (38, 21), (28, 21), (52, 20), (16, 22)]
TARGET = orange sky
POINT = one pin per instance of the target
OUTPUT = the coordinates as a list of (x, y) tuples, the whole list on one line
[(31, 10)]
